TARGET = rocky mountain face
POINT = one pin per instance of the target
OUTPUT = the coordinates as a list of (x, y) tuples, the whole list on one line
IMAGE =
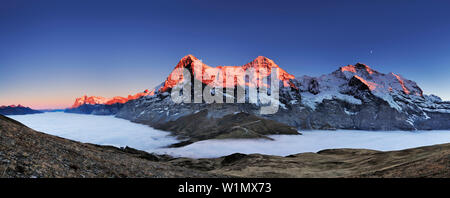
[(96, 109), (231, 76), (98, 105), (352, 97), (17, 110)]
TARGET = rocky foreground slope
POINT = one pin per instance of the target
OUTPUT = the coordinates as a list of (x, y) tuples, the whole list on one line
[(27, 153), (351, 97)]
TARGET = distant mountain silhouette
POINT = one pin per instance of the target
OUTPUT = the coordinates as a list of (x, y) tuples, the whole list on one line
[(17, 110)]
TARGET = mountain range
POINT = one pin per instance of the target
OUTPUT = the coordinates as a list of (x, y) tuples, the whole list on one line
[(100, 105), (351, 97), (17, 110)]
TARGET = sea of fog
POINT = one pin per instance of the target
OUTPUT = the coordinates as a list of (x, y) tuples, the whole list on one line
[(108, 130)]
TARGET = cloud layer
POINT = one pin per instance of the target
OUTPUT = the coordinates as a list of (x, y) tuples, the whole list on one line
[(108, 130)]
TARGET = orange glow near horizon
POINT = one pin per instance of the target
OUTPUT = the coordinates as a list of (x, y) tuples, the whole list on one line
[(43, 100)]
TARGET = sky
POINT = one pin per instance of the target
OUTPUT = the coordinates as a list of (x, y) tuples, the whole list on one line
[(54, 51)]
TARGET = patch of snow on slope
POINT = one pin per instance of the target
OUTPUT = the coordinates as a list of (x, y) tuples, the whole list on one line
[(388, 98), (312, 100)]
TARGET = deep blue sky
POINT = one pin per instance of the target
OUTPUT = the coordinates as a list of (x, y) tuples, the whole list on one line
[(54, 51)]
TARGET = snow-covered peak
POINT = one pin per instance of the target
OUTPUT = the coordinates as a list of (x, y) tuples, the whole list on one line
[(217, 76), (376, 81), (358, 76), (13, 106), (357, 69), (89, 100)]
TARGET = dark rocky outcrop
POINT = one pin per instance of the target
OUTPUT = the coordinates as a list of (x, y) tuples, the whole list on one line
[(27, 153)]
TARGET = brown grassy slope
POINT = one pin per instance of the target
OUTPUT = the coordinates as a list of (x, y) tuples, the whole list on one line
[(429, 161)]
